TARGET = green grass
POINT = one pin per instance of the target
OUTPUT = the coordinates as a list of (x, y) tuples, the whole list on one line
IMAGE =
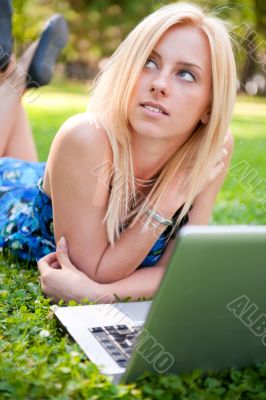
[(239, 201), (51, 108), (38, 360)]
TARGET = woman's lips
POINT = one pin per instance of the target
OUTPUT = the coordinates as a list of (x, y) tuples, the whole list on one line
[(153, 104), (154, 110)]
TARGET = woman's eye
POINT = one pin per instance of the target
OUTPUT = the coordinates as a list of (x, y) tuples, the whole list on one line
[(187, 76), (150, 63)]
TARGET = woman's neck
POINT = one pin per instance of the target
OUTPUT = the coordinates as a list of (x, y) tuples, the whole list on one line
[(149, 156)]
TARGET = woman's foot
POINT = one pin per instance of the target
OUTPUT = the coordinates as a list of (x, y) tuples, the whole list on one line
[(5, 33), (53, 38)]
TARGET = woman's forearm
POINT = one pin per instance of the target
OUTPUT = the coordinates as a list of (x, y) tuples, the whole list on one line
[(143, 282), (60, 279), (130, 249)]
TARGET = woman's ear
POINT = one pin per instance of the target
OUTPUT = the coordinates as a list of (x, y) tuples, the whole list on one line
[(205, 118)]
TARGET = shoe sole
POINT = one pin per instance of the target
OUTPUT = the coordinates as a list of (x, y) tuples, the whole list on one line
[(52, 40)]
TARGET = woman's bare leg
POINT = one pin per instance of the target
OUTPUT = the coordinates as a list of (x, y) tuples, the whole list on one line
[(20, 143), (16, 138)]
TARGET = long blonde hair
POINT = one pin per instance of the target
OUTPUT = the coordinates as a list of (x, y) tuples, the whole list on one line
[(110, 98)]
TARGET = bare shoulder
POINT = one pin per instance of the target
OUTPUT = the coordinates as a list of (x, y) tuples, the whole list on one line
[(81, 145), (81, 133)]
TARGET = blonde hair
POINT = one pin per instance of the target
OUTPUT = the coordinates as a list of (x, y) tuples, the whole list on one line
[(110, 98)]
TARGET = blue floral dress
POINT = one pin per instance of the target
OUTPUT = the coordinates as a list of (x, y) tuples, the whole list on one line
[(26, 215), (26, 218)]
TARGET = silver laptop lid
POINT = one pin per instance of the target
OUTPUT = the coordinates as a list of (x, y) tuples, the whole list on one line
[(210, 310)]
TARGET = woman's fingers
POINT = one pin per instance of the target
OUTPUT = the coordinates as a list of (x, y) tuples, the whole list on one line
[(226, 138), (216, 170), (49, 258), (47, 266), (62, 254), (45, 262), (55, 265), (56, 260), (220, 156)]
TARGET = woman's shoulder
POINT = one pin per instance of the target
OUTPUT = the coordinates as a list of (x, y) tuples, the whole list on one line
[(82, 137), (80, 145), (85, 131)]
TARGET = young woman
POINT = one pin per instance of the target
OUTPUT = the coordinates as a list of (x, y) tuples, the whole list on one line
[(149, 156)]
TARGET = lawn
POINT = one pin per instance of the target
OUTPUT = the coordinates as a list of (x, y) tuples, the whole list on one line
[(39, 361)]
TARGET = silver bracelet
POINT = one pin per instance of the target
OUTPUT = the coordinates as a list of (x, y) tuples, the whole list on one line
[(158, 217)]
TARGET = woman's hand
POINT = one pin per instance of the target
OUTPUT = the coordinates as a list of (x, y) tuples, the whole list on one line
[(219, 162), (60, 279), (174, 200)]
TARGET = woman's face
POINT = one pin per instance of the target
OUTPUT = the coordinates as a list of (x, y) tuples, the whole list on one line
[(173, 91)]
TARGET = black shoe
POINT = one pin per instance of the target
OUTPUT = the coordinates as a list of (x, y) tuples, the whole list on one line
[(53, 38), (5, 33)]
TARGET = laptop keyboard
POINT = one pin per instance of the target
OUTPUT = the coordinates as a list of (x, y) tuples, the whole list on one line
[(118, 340)]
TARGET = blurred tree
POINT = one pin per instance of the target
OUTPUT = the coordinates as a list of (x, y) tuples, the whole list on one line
[(98, 26)]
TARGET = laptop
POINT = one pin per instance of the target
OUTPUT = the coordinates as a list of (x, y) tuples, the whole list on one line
[(209, 311)]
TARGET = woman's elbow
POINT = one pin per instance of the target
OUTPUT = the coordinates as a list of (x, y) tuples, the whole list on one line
[(94, 267), (95, 272), (80, 261), (102, 277), (105, 275)]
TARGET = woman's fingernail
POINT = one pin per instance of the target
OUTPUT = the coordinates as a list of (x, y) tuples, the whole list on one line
[(62, 244)]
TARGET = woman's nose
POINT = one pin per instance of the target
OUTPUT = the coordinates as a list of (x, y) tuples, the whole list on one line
[(160, 85)]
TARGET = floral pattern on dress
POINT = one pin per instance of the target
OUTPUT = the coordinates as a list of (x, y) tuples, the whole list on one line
[(26, 220)]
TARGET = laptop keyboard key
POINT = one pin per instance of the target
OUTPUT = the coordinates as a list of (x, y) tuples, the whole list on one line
[(120, 358), (115, 353), (102, 337), (123, 329), (104, 340), (109, 328), (96, 329), (118, 338), (131, 336), (111, 332), (110, 347), (124, 345), (107, 345), (122, 363)]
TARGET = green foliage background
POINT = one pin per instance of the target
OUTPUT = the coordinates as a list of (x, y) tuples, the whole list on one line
[(97, 27)]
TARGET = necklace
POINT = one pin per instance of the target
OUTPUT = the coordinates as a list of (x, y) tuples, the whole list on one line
[(145, 182)]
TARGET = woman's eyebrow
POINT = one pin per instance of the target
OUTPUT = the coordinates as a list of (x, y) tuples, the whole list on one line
[(184, 63), (188, 64)]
